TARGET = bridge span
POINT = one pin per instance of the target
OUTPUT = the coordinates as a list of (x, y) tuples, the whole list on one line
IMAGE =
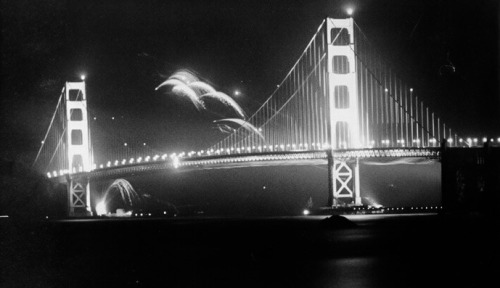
[(283, 158), (338, 95)]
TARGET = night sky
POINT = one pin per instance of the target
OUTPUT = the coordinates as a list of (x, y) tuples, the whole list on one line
[(127, 48)]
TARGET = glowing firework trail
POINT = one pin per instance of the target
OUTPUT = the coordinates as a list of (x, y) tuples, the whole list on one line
[(201, 87), (185, 84), (246, 125), (127, 192), (184, 76), (226, 100), (181, 89), (184, 91), (180, 77), (224, 128), (170, 82)]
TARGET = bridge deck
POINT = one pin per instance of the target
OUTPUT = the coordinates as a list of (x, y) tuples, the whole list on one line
[(281, 158)]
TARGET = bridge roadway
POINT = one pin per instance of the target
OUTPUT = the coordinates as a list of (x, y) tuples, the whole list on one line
[(277, 158)]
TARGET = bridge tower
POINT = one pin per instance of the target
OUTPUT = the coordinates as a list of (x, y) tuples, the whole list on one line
[(77, 147), (343, 107)]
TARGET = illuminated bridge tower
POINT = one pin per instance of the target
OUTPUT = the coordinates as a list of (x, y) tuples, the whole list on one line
[(77, 147), (343, 107)]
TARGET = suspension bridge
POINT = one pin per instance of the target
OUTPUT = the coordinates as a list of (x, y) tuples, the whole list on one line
[(338, 104)]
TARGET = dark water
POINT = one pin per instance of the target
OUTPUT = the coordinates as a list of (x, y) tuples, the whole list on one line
[(375, 251)]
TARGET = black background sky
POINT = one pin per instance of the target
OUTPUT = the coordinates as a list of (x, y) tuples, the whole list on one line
[(126, 48)]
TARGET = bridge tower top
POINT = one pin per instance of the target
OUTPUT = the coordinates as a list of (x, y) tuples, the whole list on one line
[(78, 136), (342, 80)]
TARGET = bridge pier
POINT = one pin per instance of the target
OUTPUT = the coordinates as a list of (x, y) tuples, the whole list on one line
[(331, 192), (343, 182), (79, 197), (357, 187)]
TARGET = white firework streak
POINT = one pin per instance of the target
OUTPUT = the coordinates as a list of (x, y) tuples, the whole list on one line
[(184, 76), (126, 190), (224, 128), (201, 88), (181, 89), (184, 91), (170, 82), (179, 77), (226, 100), (246, 125), (186, 84)]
